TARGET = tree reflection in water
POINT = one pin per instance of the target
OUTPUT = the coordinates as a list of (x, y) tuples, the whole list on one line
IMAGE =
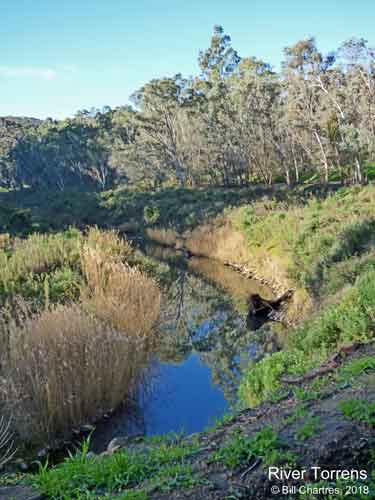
[(202, 349), (206, 315)]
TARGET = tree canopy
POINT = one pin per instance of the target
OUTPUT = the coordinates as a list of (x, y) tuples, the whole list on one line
[(236, 122)]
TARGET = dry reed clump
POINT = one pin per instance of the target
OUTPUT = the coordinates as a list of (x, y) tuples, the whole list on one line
[(66, 367), (109, 244), (68, 364), (116, 293), (164, 236)]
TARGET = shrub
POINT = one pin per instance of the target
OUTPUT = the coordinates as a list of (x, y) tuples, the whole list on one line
[(151, 214)]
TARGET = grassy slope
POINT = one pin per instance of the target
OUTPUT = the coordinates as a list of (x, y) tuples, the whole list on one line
[(324, 422), (28, 211), (326, 247)]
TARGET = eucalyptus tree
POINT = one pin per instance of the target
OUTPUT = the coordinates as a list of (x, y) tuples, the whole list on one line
[(357, 64), (217, 111), (162, 128), (303, 68), (256, 92)]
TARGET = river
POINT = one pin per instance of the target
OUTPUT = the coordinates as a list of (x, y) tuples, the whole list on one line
[(204, 346)]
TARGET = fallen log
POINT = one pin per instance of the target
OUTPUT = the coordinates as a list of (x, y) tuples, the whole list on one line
[(261, 310), (333, 362)]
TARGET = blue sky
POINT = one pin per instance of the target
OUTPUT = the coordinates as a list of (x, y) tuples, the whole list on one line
[(60, 56)]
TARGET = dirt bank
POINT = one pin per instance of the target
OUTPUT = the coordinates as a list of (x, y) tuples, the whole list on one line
[(221, 240)]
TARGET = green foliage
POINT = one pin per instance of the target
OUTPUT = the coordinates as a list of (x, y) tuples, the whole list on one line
[(264, 445), (46, 269), (324, 244), (262, 381), (151, 214), (308, 429), (356, 367), (308, 346), (359, 410), (161, 467), (41, 268)]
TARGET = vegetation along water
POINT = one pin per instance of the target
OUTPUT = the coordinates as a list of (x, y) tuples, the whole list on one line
[(136, 245)]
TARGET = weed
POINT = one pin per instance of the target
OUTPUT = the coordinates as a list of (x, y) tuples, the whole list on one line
[(240, 450), (356, 367), (308, 429), (359, 410), (126, 472)]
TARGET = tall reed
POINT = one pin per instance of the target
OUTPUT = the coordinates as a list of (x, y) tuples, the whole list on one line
[(66, 367), (67, 364)]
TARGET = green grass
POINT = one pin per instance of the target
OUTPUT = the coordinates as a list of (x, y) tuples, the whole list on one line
[(327, 246), (41, 267), (265, 445), (359, 410), (308, 429), (308, 346), (162, 467), (27, 211), (357, 367), (313, 236)]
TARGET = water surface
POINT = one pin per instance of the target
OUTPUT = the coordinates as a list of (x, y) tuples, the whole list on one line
[(204, 346)]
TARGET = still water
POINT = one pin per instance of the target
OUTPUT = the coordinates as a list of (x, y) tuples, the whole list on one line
[(204, 346)]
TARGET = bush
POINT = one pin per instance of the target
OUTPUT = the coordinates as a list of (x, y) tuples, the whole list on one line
[(151, 214)]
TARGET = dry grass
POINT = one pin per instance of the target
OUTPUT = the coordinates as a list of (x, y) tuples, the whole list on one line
[(221, 239), (67, 367), (164, 236), (117, 294), (68, 364)]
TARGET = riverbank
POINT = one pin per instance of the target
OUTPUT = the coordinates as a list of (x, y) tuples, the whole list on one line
[(319, 423), (312, 399)]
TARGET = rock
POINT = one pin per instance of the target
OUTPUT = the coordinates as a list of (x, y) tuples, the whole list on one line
[(21, 465), (87, 428), (117, 443), (43, 452), (19, 493)]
